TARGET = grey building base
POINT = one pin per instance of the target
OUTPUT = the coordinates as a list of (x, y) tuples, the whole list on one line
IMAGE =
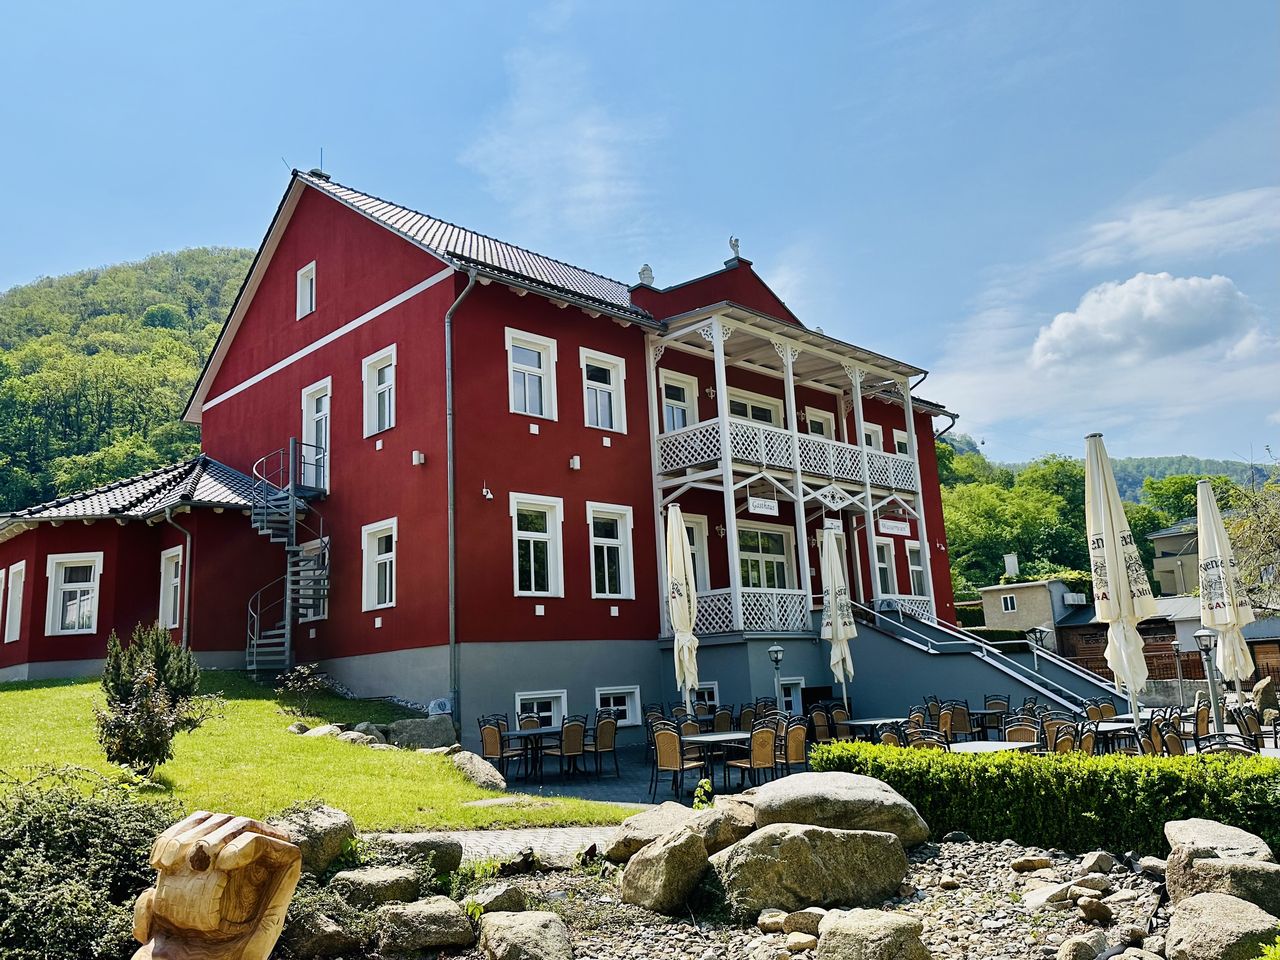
[(51, 670), (420, 674)]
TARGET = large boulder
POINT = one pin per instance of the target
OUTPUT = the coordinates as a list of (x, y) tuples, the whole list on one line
[(840, 801), (413, 928), (870, 935), (478, 770), (662, 874), (370, 886), (496, 898), (1228, 841), (371, 730), (418, 732), (1194, 870), (1214, 926), (1264, 695), (444, 852), (534, 935), (318, 935), (792, 866), (644, 828), (359, 739), (324, 730), (728, 821), (322, 833)]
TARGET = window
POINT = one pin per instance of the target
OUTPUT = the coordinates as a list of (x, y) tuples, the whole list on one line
[(1008, 603), (535, 538), (307, 290), (549, 706), (708, 693), (604, 379), (315, 434), (532, 364), (170, 587), (754, 406), (792, 698), (885, 569), (1, 596), (313, 579), (609, 527), (915, 566), (764, 555), (378, 374), (873, 436), (623, 701), (679, 400), (13, 607), (695, 528), (821, 423), (900, 444), (378, 543), (73, 593)]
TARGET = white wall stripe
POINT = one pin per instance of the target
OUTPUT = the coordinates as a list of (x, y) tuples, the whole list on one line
[(330, 337)]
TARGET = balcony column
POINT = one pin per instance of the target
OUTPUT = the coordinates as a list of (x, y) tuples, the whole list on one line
[(789, 354), (913, 452), (856, 375), (717, 333), (652, 354)]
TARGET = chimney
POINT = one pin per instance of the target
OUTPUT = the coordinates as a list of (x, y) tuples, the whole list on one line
[(1011, 564)]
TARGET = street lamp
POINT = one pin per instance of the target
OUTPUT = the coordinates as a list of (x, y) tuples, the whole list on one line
[(775, 654), (1177, 665), (1205, 641), (1038, 635)]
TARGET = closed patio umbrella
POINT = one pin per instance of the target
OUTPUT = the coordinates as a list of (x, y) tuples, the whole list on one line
[(1121, 592), (837, 612), (682, 604), (1224, 606)]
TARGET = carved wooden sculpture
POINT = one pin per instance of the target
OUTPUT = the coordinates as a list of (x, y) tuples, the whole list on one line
[(224, 886)]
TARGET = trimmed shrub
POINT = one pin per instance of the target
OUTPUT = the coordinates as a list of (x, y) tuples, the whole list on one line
[(970, 616), (1070, 801)]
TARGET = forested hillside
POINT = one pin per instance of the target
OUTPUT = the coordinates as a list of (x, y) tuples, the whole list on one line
[(96, 366)]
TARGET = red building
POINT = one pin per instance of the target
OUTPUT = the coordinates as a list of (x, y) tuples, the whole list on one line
[(437, 463)]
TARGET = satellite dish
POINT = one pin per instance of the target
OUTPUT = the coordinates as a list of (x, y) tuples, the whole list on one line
[(439, 706)]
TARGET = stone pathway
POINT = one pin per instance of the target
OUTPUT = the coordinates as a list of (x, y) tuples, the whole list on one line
[(549, 843)]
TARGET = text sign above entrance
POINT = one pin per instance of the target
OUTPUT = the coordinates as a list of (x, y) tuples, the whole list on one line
[(763, 506), (895, 528)]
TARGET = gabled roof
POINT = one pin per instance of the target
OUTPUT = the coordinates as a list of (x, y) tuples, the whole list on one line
[(1182, 527), (200, 481)]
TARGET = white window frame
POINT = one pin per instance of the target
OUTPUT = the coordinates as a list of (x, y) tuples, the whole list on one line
[(545, 346), (1008, 603), (617, 387), (171, 618), (3, 618), (774, 405), (901, 443), (311, 548), (698, 547), (708, 687), (877, 433), (914, 568), (306, 290), (626, 571), (369, 560), (559, 704), (16, 583), (53, 564), (798, 700), (788, 548), (321, 388), (891, 564), (687, 383), (632, 693), (555, 539), (825, 417), (369, 368)]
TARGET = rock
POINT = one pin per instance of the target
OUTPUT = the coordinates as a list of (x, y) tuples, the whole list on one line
[(317, 935), (1214, 926), (1043, 896), (1195, 870), (370, 886), (1124, 895), (956, 836), (723, 825), (324, 730), (870, 935), (1136, 953), (534, 935), (1027, 864), (418, 732), (1084, 947), (1152, 866), (804, 921), (1264, 695), (1097, 862), (1154, 945), (411, 928), (478, 770), (1130, 934), (793, 866), (1229, 842), (444, 852), (440, 751), (644, 828), (497, 898), (771, 920), (1079, 893), (663, 874), (297, 727), (350, 736), (839, 801), (383, 746), (1094, 881), (797, 942), (323, 834), (1094, 911), (370, 730)]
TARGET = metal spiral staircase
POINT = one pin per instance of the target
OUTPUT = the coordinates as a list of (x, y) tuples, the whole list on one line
[(285, 484)]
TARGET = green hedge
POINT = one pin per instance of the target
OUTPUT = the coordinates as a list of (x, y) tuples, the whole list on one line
[(971, 616), (997, 634), (1071, 802)]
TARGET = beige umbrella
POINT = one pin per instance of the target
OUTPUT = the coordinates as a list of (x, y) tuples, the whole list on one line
[(1121, 593), (682, 603), (837, 612), (1224, 606)]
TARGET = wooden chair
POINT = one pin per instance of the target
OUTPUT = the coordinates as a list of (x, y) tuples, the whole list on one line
[(604, 740), (944, 722), (1172, 739), (689, 727), (668, 757), (795, 746), (760, 756), (1093, 711), (918, 716), (491, 747), (821, 725), (678, 710), (1108, 709), (1088, 737), (1227, 743), (934, 708), (701, 708), (1019, 730), (926, 739), (1202, 719), (528, 721), (1064, 740), (573, 743), (722, 722), (961, 724), (747, 716), (1250, 724), (995, 701), (891, 735)]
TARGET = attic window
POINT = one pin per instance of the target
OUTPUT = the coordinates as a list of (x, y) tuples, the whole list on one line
[(307, 290)]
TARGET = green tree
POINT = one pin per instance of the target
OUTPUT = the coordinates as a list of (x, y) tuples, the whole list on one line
[(985, 521), (1145, 519), (1175, 496)]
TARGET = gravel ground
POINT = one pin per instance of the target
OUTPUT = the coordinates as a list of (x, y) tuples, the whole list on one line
[(967, 895)]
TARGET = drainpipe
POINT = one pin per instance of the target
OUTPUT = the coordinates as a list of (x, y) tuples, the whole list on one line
[(186, 578), (455, 661)]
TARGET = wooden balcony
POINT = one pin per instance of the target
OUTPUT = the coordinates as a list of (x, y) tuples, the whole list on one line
[(763, 611)]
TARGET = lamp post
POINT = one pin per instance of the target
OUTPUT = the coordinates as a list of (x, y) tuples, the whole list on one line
[(775, 654), (1177, 665), (1205, 641)]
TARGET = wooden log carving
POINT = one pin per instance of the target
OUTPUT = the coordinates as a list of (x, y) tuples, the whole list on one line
[(223, 889)]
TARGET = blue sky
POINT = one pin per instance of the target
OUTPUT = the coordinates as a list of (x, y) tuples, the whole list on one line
[(1069, 213)]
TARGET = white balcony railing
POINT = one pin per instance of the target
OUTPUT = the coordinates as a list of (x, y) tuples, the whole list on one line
[(762, 445), (919, 607), (763, 610)]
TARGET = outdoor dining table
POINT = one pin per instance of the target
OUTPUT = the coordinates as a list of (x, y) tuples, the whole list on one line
[(869, 722), (988, 719), (709, 741), (530, 741), (992, 746)]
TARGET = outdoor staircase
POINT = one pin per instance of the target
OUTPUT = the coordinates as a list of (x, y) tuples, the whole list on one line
[(286, 482)]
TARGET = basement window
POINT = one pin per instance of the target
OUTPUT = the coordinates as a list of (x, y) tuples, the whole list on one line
[(307, 290), (623, 701), (549, 706)]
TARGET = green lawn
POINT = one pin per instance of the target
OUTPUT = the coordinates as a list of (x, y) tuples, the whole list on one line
[(247, 764)]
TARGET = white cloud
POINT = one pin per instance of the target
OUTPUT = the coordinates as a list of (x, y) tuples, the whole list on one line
[(1145, 318)]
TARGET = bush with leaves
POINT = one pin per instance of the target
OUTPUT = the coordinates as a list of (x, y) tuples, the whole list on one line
[(297, 688), (74, 855)]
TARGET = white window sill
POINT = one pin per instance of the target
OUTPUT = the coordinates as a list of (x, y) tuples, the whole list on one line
[(620, 432), (378, 433), (72, 633), (374, 609), (539, 596), (613, 596), (532, 416), (303, 316)]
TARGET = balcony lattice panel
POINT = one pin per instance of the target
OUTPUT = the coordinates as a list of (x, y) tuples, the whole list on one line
[(715, 612), (689, 447)]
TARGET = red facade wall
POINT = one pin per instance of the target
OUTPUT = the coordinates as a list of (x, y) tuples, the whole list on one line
[(736, 283)]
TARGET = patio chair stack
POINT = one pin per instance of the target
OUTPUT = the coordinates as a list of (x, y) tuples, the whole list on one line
[(670, 757)]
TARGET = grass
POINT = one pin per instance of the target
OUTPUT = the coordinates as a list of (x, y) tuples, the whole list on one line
[(247, 763)]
